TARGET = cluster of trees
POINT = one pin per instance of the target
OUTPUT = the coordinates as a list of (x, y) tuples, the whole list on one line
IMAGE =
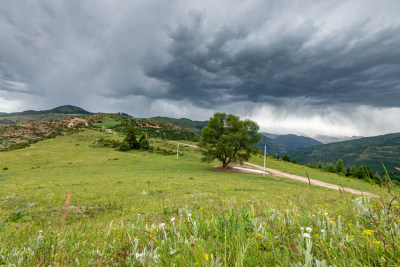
[(285, 158), (362, 172), (130, 142)]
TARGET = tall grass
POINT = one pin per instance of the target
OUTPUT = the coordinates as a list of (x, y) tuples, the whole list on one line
[(360, 231)]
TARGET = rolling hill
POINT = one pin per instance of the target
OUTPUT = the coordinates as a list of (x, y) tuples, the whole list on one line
[(58, 113), (66, 109), (372, 151), (194, 126)]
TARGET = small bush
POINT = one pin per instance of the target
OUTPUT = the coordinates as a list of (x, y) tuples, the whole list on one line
[(144, 144), (124, 147), (5, 168), (286, 157)]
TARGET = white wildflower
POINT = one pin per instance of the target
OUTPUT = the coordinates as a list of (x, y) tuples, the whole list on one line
[(309, 229), (189, 215), (138, 255), (322, 231), (162, 225), (40, 231), (326, 214), (306, 235), (302, 229), (172, 219)]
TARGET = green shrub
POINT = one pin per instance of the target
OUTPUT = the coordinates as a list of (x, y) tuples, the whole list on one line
[(144, 144), (124, 147), (330, 168), (286, 157)]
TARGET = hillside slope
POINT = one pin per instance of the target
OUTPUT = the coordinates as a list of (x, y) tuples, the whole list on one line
[(194, 126), (372, 151), (150, 127), (281, 144), (58, 113), (292, 141), (273, 147), (66, 109)]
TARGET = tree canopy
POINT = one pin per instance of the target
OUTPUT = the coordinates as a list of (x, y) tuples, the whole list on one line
[(131, 139), (229, 139)]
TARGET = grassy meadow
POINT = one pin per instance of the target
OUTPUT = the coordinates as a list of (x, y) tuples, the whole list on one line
[(144, 208)]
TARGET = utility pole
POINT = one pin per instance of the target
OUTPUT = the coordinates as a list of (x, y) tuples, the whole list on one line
[(177, 152), (265, 153)]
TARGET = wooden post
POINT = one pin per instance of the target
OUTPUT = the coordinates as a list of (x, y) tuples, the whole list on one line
[(265, 153)]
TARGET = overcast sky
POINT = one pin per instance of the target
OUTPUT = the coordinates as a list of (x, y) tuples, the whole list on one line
[(310, 67)]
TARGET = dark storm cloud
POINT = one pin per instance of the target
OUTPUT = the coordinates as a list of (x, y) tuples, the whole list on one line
[(359, 64)]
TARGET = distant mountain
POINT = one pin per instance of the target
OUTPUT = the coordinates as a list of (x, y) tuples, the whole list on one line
[(333, 139), (269, 135), (284, 143), (292, 141), (372, 151), (66, 109), (194, 126), (273, 147)]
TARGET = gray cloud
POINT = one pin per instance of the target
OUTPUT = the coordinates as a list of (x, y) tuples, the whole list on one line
[(191, 59), (357, 64)]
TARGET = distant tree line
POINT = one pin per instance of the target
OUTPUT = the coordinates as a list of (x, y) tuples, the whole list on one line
[(363, 172)]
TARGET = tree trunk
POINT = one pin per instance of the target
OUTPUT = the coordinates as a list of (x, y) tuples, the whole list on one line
[(225, 165)]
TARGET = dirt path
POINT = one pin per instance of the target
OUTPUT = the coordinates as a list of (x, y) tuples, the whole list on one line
[(281, 174)]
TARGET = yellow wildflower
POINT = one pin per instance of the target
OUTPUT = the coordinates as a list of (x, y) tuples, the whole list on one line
[(206, 256), (330, 221), (368, 232), (377, 242)]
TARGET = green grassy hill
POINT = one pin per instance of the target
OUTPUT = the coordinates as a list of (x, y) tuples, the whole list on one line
[(372, 151), (151, 127), (140, 208), (194, 126)]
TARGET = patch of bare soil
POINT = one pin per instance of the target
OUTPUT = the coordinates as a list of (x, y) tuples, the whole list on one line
[(220, 168)]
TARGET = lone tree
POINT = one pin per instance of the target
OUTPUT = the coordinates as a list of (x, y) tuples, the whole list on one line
[(229, 139), (131, 139)]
